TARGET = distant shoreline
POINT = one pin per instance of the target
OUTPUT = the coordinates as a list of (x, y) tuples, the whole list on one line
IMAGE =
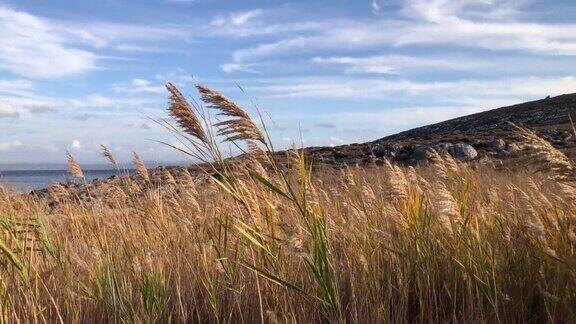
[(30, 180)]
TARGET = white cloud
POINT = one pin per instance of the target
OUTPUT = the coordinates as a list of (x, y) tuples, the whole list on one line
[(335, 141), (121, 35), (76, 144), (376, 88), (236, 19), (97, 100), (376, 7), (237, 67), (38, 47), (283, 46), (29, 46), (17, 87), (378, 65), (492, 25), (32, 103), (442, 10), (140, 86), (179, 76), (259, 22), (100, 101), (7, 110), (26, 104), (241, 18), (395, 64), (6, 146)]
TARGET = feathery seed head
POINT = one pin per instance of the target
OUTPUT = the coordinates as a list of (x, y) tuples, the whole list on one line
[(447, 206), (108, 154), (141, 169), (546, 157), (240, 127), (58, 192), (397, 182), (73, 166), (168, 178), (182, 111), (187, 181)]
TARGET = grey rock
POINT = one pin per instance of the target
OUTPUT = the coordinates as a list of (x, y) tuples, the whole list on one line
[(422, 154), (463, 152), (443, 148)]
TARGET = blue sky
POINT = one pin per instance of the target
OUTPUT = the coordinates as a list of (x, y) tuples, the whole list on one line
[(76, 74)]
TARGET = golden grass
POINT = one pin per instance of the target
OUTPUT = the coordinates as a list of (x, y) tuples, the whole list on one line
[(73, 166), (140, 167), (260, 243)]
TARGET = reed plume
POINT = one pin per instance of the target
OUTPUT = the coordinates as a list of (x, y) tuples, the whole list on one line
[(108, 154), (57, 192), (547, 157), (167, 177), (568, 191), (398, 185), (447, 206), (240, 127), (182, 111), (293, 157), (73, 166), (450, 163), (257, 152), (141, 169), (187, 181)]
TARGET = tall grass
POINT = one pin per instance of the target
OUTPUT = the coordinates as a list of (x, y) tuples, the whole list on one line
[(257, 240)]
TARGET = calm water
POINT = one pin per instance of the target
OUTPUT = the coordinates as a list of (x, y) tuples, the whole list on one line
[(26, 180)]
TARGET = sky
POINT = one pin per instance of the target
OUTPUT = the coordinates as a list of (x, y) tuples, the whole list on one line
[(77, 74)]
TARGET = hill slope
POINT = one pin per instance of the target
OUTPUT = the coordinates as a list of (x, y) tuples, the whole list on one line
[(488, 133)]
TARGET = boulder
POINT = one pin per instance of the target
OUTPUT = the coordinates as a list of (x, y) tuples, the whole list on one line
[(463, 152), (423, 154)]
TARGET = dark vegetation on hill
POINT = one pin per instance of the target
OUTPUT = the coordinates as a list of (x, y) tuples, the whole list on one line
[(479, 137)]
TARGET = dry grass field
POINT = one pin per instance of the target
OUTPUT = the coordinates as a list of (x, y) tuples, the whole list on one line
[(264, 242)]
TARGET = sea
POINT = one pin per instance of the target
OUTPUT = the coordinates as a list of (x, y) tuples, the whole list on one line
[(28, 178)]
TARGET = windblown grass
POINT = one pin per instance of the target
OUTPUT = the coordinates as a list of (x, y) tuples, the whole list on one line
[(258, 242)]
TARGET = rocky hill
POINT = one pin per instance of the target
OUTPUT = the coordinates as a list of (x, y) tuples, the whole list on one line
[(481, 136)]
